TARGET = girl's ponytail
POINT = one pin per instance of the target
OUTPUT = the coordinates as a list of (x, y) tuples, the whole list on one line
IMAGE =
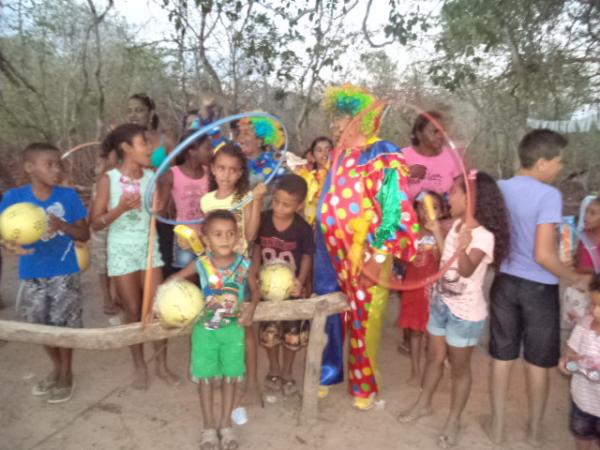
[(123, 133)]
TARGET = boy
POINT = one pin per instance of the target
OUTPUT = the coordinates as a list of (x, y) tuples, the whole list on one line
[(49, 268), (284, 235), (218, 339), (524, 306)]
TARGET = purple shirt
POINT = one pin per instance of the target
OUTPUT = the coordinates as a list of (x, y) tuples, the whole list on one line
[(529, 203)]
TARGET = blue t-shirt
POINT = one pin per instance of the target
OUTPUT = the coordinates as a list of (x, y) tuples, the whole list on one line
[(53, 255), (529, 203)]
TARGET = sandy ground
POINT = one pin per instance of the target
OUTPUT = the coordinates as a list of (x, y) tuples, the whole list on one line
[(105, 414)]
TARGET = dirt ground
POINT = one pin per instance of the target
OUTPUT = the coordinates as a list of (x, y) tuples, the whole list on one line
[(105, 414)]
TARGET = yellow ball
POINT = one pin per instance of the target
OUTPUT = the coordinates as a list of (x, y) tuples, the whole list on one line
[(23, 223), (276, 281), (83, 257), (179, 303)]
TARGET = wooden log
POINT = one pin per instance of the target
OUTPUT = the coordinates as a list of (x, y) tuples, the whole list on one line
[(124, 335), (312, 369)]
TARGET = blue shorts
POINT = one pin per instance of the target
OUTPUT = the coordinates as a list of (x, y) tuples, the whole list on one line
[(459, 332)]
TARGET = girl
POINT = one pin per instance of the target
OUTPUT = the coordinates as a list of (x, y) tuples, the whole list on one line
[(458, 307), (583, 349), (432, 165), (228, 184), (414, 313), (141, 110), (118, 206), (591, 228), (184, 185), (321, 149)]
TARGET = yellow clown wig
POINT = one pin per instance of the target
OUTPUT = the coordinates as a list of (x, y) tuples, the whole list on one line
[(266, 129), (352, 100)]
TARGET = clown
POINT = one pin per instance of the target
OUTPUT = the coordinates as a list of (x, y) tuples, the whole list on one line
[(259, 139), (364, 218)]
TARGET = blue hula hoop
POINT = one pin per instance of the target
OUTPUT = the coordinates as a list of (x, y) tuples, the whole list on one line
[(183, 145)]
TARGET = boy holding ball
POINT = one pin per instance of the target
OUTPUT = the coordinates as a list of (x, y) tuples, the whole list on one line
[(48, 267)]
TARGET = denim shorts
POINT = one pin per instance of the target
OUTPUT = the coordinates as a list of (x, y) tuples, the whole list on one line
[(583, 425), (459, 332)]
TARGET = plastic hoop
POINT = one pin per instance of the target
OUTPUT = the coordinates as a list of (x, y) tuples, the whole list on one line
[(183, 145), (347, 135), (78, 147)]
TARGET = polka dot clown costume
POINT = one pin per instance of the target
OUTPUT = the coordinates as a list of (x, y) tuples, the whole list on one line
[(270, 133), (364, 217)]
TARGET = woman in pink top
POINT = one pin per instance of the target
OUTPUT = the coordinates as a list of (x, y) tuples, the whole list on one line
[(458, 307), (433, 167), (181, 188)]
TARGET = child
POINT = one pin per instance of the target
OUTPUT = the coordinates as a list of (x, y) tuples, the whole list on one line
[(284, 235), (414, 313), (49, 270), (583, 347), (217, 356), (458, 306), (118, 206), (524, 299), (185, 184), (228, 184), (591, 228)]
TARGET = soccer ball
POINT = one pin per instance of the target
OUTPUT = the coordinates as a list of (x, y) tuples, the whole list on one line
[(23, 223), (276, 281), (179, 303)]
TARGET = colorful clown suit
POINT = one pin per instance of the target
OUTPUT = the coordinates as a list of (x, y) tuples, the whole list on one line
[(364, 213)]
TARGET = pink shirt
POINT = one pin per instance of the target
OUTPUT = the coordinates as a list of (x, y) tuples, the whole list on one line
[(585, 259), (464, 296), (186, 193), (586, 343), (440, 171)]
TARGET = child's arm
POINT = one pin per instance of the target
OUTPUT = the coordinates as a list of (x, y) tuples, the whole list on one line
[(546, 255), (164, 187), (101, 217), (303, 273), (252, 212), (79, 230), (187, 272), (467, 263), (562, 363)]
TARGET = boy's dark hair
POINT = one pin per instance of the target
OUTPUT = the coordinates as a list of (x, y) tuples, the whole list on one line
[(180, 159), (123, 133), (243, 184), (217, 214), (294, 185), (38, 147), (421, 122), (146, 100), (540, 144)]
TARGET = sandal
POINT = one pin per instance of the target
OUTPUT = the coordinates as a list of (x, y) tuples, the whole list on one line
[(228, 439), (209, 439), (273, 382), (289, 387)]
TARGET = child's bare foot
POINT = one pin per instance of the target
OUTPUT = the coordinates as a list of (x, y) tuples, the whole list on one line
[(414, 413), (167, 376), (228, 439), (140, 379), (495, 435), (449, 436)]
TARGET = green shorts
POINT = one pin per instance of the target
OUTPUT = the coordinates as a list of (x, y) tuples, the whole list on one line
[(218, 353)]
